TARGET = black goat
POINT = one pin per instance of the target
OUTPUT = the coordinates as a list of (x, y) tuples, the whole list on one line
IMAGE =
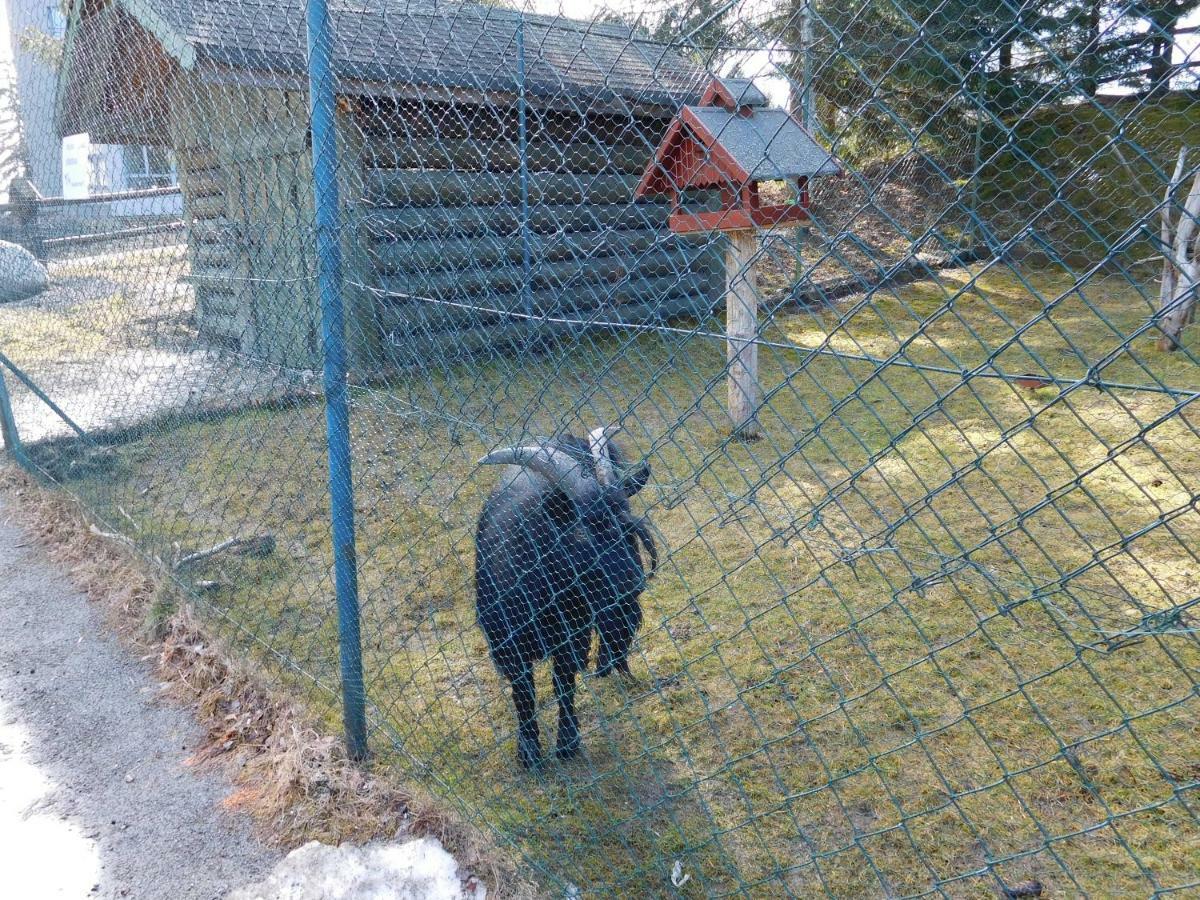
[(557, 556)]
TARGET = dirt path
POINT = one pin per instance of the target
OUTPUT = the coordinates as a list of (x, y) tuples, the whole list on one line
[(94, 798)]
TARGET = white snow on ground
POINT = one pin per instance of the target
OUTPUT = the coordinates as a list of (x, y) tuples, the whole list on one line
[(46, 854), (413, 870)]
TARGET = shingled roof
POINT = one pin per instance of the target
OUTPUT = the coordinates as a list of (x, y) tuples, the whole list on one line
[(767, 145), (456, 45)]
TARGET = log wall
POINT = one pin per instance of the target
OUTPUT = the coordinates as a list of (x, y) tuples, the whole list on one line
[(446, 234), (435, 234)]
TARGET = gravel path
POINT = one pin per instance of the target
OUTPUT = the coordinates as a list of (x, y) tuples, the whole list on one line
[(94, 798)]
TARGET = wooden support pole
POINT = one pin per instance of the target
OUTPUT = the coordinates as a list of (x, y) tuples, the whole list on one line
[(741, 330)]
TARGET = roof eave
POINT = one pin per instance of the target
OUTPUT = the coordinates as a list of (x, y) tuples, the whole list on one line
[(175, 44), (830, 166), (218, 65), (61, 81)]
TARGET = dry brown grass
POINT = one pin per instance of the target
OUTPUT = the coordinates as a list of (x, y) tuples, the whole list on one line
[(291, 778)]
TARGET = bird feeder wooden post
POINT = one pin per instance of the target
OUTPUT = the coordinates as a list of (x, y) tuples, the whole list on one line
[(728, 144), (741, 329)]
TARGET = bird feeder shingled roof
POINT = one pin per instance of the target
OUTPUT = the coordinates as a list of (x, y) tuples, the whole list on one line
[(732, 141)]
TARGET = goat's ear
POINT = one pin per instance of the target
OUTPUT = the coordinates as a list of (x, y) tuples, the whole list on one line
[(633, 480)]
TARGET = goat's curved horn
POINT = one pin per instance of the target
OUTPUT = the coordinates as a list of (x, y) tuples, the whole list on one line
[(549, 462), (598, 442)]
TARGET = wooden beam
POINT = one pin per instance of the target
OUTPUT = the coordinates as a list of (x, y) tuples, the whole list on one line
[(142, 194), (587, 310), (504, 218), (402, 187), (119, 234), (440, 254), (206, 206), (741, 330), (569, 275), (400, 152)]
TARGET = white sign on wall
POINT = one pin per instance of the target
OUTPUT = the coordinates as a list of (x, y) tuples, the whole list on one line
[(76, 168)]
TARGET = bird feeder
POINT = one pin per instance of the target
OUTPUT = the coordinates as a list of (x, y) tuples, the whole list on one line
[(729, 144)]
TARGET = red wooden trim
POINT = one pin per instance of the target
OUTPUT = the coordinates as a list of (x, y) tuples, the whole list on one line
[(750, 198), (655, 168), (716, 95), (737, 219)]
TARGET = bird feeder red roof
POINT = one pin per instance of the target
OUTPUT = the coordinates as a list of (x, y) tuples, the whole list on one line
[(731, 142)]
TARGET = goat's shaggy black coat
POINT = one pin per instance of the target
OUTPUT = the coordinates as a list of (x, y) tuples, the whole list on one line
[(551, 568)]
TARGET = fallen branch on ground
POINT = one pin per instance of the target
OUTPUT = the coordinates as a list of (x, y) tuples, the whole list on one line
[(110, 535), (258, 547)]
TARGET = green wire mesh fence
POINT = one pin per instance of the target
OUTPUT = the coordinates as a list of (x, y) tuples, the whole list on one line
[(893, 301)]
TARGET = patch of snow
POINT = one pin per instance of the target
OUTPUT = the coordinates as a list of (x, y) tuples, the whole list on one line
[(46, 854), (414, 870)]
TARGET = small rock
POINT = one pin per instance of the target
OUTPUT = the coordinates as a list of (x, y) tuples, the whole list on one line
[(21, 275), (129, 778), (1024, 889)]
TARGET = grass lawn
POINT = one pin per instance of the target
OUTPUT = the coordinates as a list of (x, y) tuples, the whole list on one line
[(875, 658)]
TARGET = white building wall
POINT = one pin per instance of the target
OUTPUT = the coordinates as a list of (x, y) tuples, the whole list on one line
[(36, 85)]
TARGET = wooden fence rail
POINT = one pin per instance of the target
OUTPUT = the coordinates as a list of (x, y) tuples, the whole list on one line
[(27, 212)]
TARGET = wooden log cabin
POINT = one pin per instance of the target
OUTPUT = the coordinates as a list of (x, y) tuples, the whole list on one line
[(451, 243)]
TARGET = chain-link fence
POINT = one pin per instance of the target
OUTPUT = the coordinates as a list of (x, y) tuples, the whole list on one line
[(889, 300)]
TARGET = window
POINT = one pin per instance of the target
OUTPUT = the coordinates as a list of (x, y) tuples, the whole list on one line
[(56, 22), (148, 167)]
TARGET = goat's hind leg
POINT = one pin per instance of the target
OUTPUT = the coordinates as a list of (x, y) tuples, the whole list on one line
[(566, 667)]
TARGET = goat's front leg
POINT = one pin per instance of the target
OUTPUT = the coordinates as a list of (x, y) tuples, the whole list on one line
[(565, 670), (529, 747)]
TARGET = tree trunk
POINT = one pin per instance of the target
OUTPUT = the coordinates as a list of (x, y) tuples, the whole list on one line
[(1162, 34), (1181, 260), (1091, 62), (1006, 57), (1006, 99)]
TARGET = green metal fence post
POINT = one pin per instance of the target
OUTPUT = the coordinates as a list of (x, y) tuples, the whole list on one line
[(337, 411), (8, 424)]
